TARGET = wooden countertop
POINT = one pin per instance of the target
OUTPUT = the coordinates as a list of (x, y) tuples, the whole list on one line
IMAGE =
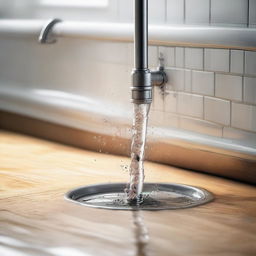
[(36, 220)]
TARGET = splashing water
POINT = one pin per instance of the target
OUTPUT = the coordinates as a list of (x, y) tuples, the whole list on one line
[(135, 187)]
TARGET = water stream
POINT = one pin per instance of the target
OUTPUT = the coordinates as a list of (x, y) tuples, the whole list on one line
[(140, 120)]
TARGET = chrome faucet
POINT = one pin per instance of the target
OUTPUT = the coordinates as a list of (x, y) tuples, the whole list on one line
[(142, 77)]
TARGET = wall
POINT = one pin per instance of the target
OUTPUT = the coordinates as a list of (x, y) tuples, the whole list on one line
[(211, 92), (240, 13)]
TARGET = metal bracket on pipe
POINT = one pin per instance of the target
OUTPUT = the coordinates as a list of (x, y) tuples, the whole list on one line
[(159, 77), (45, 36)]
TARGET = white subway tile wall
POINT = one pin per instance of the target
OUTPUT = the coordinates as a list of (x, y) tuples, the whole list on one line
[(237, 61), (203, 82), (217, 110), (168, 54), (170, 101), (194, 58), (250, 63), (190, 105), (179, 57), (244, 116), (228, 87), (176, 79), (250, 90), (158, 103), (188, 81), (125, 10), (216, 60), (175, 11), (209, 91), (229, 11), (152, 56), (252, 12), (204, 12), (200, 15), (156, 11)]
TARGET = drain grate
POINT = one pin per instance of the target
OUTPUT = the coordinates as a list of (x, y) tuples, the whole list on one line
[(156, 196)]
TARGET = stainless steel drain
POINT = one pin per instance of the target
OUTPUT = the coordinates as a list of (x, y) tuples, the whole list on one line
[(156, 196)]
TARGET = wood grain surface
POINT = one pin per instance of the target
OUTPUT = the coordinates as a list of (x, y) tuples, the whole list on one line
[(230, 164), (36, 220)]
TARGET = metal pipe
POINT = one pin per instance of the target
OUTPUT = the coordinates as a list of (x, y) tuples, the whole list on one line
[(141, 76), (141, 34)]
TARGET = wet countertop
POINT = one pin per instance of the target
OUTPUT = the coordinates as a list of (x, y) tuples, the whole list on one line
[(36, 220)]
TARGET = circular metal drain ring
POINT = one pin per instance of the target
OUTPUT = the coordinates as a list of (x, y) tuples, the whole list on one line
[(156, 196)]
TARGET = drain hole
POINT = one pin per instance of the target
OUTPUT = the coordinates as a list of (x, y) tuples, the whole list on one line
[(166, 196)]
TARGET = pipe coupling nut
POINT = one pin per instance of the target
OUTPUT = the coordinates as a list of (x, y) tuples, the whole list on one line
[(142, 86)]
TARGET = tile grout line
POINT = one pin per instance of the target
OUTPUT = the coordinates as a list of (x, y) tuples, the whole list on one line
[(203, 59), (165, 13), (230, 124), (248, 13), (210, 13), (243, 89), (184, 52), (214, 84), (184, 11), (229, 67), (244, 62)]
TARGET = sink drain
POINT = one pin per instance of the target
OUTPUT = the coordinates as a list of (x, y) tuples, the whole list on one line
[(156, 196)]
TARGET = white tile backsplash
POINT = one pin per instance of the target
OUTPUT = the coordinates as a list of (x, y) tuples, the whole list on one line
[(228, 87), (179, 57), (229, 11), (175, 11), (194, 58), (203, 83), (217, 110), (156, 11), (244, 116), (250, 90), (252, 12), (188, 81), (250, 63), (126, 10), (170, 101), (197, 11), (237, 61), (176, 79), (156, 118), (190, 104), (168, 53), (216, 60), (158, 99), (152, 56)]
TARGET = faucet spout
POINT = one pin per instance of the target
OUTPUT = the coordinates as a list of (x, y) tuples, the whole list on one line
[(142, 77)]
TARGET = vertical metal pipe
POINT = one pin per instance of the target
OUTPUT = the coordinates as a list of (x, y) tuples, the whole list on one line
[(141, 76), (141, 34)]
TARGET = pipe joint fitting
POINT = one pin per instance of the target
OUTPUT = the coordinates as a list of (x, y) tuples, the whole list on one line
[(159, 77), (142, 86)]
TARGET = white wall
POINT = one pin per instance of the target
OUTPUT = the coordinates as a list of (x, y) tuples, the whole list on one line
[(240, 13), (211, 92)]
